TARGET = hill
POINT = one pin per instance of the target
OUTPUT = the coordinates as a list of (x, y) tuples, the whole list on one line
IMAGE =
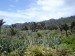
[(48, 23)]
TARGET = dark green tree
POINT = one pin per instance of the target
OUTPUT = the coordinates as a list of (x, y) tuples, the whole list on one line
[(64, 27), (13, 30), (39, 26), (25, 28), (1, 23), (13, 25), (61, 28), (34, 26), (72, 26), (42, 25)]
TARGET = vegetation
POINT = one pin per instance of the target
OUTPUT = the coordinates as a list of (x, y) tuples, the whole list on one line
[(1, 23), (39, 39)]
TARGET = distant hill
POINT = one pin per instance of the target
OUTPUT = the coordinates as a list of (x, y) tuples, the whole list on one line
[(5, 26), (60, 21), (48, 23)]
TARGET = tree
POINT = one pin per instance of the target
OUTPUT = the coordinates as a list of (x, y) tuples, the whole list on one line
[(13, 25), (39, 26), (1, 23), (13, 30), (25, 28), (34, 26), (72, 26), (64, 27), (61, 28), (42, 25)]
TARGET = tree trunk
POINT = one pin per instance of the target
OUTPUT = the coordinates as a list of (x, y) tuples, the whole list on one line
[(0, 29), (66, 34)]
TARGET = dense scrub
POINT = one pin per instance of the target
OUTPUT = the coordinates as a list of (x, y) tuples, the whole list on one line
[(40, 43)]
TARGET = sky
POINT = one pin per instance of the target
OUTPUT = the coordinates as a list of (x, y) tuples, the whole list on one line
[(20, 11)]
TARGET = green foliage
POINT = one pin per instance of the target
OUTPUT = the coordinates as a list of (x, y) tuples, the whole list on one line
[(35, 43), (39, 35), (72, 27), (33, 26), (24, 28), (14, 53), (38, 51), (1, 23), (64, 27), (13, 31)]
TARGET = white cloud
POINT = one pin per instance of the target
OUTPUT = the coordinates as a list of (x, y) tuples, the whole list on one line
[(54, 8), (44, 10), (12, 14)]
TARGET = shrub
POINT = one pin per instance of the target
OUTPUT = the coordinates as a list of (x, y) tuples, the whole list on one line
[(38, 34), (13, 31), (13, 53), (38, 51)]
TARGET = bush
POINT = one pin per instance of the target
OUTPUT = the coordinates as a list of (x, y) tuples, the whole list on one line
[(38, 51), (13, 31), (13, 53), (39, 34)]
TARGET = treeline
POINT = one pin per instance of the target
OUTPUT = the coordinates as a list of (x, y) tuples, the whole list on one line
[(52, 24), (47, 25)]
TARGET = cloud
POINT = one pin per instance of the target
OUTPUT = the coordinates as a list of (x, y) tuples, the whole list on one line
[(42, 10), (46, 9), (55, 8), (12, 14)]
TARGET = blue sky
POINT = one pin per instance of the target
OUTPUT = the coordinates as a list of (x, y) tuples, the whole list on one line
[(20, 11)]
